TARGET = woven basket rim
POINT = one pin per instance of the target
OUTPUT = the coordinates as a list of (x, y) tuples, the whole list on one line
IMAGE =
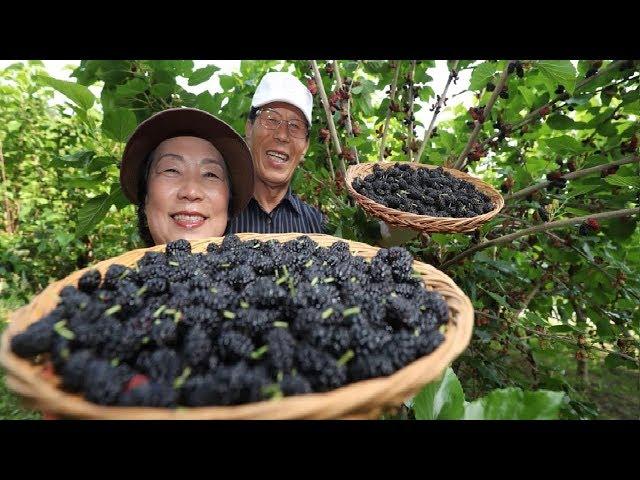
[(357, 398), (361, 170)]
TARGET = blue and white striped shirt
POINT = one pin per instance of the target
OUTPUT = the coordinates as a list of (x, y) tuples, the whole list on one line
[(290, 215)]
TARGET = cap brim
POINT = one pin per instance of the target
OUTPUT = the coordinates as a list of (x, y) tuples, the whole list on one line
[(189, 122)]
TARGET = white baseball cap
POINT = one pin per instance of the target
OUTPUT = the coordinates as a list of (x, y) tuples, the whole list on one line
[(283, 87)]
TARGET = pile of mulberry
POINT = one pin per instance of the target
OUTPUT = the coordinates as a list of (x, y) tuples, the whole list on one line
[(423, 191), (246, 321)]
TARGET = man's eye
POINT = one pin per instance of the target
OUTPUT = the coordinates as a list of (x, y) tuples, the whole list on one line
[(174, 170), (211, 175)]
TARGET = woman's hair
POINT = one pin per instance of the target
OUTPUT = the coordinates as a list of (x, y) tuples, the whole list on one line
[(143, 225)]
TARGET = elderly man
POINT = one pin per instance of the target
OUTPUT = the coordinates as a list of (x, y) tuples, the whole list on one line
[(277, 132)]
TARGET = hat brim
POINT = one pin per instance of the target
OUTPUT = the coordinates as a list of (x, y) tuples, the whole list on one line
[(179, 122)]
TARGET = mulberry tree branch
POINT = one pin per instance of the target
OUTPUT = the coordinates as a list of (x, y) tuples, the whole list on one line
[(438, 107), (485, 114), (540, 228), (392, 96)]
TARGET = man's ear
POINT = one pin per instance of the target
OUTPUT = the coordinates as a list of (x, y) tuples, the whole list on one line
[(248, 131)]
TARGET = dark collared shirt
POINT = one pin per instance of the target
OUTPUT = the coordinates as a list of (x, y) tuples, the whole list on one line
[(290, 215)]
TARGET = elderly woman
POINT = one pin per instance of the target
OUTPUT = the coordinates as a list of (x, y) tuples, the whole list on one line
[(188, 172)]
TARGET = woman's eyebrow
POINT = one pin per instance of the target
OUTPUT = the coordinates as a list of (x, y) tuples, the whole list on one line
[(175, 155), (217, 161)]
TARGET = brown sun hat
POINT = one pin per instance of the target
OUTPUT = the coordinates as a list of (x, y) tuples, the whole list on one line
[(177, 122)]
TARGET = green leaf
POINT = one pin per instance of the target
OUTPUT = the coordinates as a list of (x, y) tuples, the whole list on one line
[(63, 238), (442, 400), (117, 197), (92, 213), (209, 103), (515, 404), (13, 125), (612, 361), (576, 211), (481, 75), (621, 229), (95, 210), (582, 189), (119, 123), (132, 88), (527, 95), (607, 129), (98, 163), (561, 122), (227, 82), (564, 144), (78, 94), (77, 160), (622, 181), (633, 108), (561, 328), (501, 300), (561, 72), (161, 90), (448, 140), (202, 74), (174, 67)]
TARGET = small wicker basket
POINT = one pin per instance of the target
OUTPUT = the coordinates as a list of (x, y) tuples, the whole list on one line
[(423, 223), (365, 399)]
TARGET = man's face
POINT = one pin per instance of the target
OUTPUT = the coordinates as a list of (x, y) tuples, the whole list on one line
[(187, 191), (276, 153)]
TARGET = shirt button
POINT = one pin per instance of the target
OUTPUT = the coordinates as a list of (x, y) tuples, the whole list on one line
[(268, 220)]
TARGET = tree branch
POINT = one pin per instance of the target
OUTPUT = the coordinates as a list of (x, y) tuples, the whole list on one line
[(540, 228), (409, 143), (392, 96), (333, 174), (336, 70), (327, 111), (7, 206), (485, 114), (529, 297), (563, 96), (628, 291), (429, 131), (572, 176), (557, 337)]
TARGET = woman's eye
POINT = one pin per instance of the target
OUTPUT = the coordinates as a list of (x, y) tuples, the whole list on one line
[(172, 170), (211, 175)]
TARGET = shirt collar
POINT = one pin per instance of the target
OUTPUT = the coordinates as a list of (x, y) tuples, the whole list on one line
[(293, 200)]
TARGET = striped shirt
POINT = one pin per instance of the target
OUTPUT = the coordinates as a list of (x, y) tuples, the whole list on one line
[(290, 215)]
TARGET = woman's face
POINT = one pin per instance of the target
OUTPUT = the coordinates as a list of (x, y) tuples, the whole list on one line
[(188, 191), (276, 153)]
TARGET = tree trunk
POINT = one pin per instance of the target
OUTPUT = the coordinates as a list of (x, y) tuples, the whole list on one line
[(8, 217)]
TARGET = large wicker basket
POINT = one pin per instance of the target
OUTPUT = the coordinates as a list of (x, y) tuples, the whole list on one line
[(423, 223), (364, 399)]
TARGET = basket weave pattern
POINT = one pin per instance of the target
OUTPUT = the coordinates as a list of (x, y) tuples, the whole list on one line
[(423, 223), (364, 399)]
